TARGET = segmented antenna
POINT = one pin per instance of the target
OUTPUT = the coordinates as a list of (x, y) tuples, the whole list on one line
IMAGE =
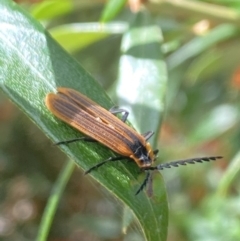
[(174, 164), (184, 162)]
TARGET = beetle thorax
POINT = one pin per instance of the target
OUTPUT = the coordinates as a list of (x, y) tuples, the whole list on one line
[(143, 155)]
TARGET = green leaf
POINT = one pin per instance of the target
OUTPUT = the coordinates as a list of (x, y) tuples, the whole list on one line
[(229, 175), (53, 201), (141, 89), (32, 64), (112, 8), (214, 124), (142, 81), (77, 36), (50, 9), (200, 44)]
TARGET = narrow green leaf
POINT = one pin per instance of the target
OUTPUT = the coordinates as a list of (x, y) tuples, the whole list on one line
[(80, 35), (50, 9), (229, 175), (214, 124), (142, 81), (200, 44), (32, 64), (112, 8), (141, 89), (53, 201)]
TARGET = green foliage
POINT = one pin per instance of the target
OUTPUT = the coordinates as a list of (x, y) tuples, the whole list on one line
[(42, 73), (112, 8), (176, 66)]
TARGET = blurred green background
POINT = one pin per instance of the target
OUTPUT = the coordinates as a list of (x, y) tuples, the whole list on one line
[(202, 52)]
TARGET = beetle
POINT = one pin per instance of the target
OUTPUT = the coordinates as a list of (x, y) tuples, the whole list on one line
[(103, 126)]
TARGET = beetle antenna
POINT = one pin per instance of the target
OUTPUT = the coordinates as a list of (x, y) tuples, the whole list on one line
[(174, 164), (183, 162)]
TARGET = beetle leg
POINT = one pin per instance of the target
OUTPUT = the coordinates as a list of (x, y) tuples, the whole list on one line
[(110, 159), (84, 138), (148, 135), (115, 110), (144, 183)]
